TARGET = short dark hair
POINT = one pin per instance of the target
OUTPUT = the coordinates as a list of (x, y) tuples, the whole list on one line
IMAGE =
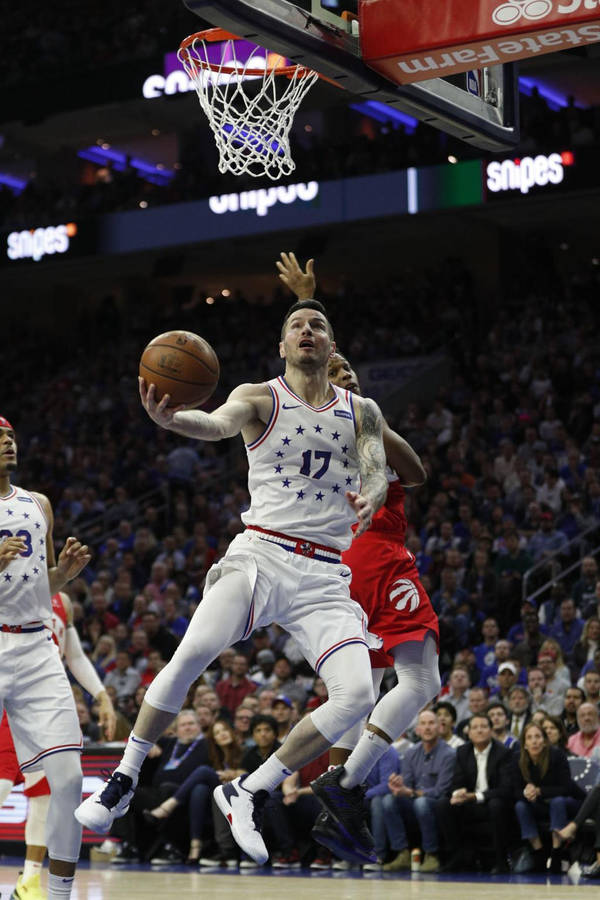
[(263, 719), (497, 704), (443, 704), (481, 716), (306, 304)]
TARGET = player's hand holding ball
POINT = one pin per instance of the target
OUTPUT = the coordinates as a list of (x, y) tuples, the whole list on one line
[(178, 370)]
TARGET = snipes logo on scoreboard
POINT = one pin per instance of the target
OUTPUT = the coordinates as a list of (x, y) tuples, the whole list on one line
[(528, 172), (36, 243)]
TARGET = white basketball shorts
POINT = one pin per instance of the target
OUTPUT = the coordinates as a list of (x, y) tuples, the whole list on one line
[(35, 691), (309, 598)]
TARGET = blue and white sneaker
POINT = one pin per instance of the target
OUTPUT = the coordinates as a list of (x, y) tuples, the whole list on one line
[(110, 802), (243, 810)]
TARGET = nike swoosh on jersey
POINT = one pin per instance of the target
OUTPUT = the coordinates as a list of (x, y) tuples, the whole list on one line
[(296, 406)]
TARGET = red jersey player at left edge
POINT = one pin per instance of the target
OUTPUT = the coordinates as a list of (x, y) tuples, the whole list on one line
[(37, 789), (386, 584)]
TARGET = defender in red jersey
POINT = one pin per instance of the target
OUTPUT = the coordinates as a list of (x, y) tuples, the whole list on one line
[(386, 584)]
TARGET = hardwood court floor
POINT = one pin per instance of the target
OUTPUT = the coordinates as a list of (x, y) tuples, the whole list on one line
[(101, 882)]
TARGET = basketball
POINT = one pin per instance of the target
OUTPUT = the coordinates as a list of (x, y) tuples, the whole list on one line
[(182, 365)]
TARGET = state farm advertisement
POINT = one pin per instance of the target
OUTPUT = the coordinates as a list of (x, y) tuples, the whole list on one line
[(420, 39)]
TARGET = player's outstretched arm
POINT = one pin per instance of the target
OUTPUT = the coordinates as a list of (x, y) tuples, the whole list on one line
[(402, 458), (302, 284), (240, 408), (371, 459)]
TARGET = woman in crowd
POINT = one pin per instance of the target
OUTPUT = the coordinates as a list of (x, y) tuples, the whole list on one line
[(555, 731), (543, 790), (588, 643), (225, 753)]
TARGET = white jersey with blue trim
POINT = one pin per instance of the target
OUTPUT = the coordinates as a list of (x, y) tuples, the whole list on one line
[(24, 585), (301, 467)]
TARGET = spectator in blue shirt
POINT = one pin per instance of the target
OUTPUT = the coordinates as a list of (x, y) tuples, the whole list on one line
[(410, 806), (377, 788), (485, 652), (547, 540), (568, 628)]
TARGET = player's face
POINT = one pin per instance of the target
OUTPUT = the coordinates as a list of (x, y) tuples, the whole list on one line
[(8, 450), (306, 342), (341, 373)]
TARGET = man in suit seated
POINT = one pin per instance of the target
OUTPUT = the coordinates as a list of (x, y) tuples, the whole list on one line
[(480, 794)]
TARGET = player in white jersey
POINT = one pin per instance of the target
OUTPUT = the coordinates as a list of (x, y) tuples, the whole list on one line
[(317, 465), (34, 688), (37, 789)]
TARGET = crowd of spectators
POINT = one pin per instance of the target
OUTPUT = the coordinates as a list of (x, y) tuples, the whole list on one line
[(512, 451)]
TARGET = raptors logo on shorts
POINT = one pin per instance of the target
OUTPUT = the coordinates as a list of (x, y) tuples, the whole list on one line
[(385, 581), (404, 595)]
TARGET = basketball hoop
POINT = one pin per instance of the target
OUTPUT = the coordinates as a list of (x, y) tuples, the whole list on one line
[(250, 106)]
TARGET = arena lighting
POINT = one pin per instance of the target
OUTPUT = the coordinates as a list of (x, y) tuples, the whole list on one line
[(381, 112), (553, 98), (119, 161), (15, 184)]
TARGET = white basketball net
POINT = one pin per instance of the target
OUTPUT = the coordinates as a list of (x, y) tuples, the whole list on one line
[(251, 129)]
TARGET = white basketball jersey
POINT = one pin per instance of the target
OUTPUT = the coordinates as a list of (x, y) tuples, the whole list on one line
[(302, 465), (25, 590)]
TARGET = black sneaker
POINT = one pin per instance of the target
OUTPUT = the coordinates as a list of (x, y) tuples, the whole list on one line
[(125, 855), (168, 855), (347, 836)]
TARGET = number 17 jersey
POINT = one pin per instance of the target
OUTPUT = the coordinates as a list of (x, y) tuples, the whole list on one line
[(301, 467)]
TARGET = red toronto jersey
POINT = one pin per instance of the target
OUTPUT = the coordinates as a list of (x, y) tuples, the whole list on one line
[(386, 583)]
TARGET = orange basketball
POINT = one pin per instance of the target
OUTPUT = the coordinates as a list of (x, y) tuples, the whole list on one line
[(182, 365)]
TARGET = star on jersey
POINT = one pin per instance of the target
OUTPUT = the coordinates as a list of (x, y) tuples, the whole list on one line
[(335, 435), (335, 489), (285, 440), (348, 480), (26, 515), (10, 512), (345, 463), (319, 496), (299, 430), (345, 448), (280, 454), (25, 577), (318, 429), (286, 482), (37, 525), (42, 558), (278, 468), (300, 495), (7, 577)]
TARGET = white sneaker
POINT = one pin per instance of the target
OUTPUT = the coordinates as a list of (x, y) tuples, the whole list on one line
[(108, 803), (372, 867), (243, 811)]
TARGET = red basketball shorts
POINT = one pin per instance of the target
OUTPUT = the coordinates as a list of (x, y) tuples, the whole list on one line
[(386, 584)]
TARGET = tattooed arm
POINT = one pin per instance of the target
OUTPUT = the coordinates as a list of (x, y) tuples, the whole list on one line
[(371, 457)]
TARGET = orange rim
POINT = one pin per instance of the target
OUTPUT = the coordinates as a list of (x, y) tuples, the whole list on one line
[(212, 35)]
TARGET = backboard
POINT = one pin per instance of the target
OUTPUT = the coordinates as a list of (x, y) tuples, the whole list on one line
[(480, 107)]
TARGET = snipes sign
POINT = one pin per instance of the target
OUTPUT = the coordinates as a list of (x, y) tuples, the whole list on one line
[(420, 39)]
